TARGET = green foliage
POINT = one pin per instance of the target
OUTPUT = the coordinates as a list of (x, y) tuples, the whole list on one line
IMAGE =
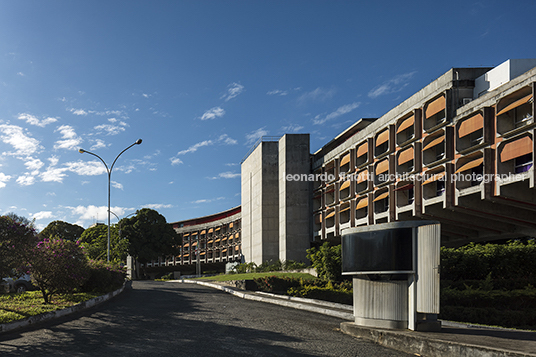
[(328, 293), (276, 284), (150, 236), (268, 266), (57, 266), (327, 261), (95, 242), (104, 277), (16, 242), (490, 284), (62, 230), (476, 261)]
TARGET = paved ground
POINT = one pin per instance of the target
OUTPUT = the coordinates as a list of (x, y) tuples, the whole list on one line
[(157, 318)]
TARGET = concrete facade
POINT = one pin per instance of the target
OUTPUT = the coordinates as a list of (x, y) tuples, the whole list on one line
[(260, 203), (294, 198)]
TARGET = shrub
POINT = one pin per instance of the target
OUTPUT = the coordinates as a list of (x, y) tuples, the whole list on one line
[(327, 261), (104, 277), (276, 284), (57, 267), (328, 293)]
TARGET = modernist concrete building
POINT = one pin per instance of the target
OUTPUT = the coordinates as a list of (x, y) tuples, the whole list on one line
[(460, 151), (211, 241)]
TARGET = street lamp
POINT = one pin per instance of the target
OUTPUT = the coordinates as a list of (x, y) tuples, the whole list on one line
[(109, 170)]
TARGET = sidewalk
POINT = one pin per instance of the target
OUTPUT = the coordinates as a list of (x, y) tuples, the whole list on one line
[(455, 339)]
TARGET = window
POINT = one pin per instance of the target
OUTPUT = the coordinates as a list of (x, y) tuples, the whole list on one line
[(522, 163)]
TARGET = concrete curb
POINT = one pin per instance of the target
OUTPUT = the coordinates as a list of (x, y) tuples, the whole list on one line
[(325, 308), (59, 313), (429, 347)]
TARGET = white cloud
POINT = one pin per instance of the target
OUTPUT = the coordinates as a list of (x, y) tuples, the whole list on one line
[(70, 141), (233, 90), (86, 168), (213, 113), (3, 179), (321, 118), (30, 119), (393, 85), (277, 92), (98, 144), (319, 94), (116, 184), (26, 180), (195, 147), (291, 128), (227, 140), (111, 129), (91, 212), (42, 215), (157, 206), (34, 165), (208, 200), (78, 111), (15, 136), (226, 175), (253, 136), (222, 139), (176, 161), (53, 174)]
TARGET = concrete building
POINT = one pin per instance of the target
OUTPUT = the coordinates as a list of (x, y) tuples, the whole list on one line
[(460, 151)]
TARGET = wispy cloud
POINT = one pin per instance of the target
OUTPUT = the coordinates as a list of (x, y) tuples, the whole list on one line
[(255, 135), (15, 136), (157, 206), (115, 127), (277, 92), (98, 144), (393, 85), (226, 175), (233, 90), (33, 120), (209, 200), (116, 184), (317, 95), (223, 139), (26, 180), (322, 118), (34, 165), (291, 128), (213, 113), (91, 213), (70, 141), (78, 111)]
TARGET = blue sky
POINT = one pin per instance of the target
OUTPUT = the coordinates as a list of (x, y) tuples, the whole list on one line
[(201, 81)]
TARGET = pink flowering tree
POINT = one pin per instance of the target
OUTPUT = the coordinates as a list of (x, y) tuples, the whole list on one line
[(57, 266)]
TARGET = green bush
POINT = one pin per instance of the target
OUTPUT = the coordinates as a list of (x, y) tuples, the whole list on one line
[(328, 293), (104, 277), (276, 284), (327, 261)]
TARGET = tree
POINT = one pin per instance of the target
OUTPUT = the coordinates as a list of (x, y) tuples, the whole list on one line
[(16, 241), (95, 242), (62, 230), (327, 261), (149, 235), (21, 219), (57, 266)]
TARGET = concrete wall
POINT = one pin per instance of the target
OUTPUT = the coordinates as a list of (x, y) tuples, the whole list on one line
[(295, 209), (260, 204)]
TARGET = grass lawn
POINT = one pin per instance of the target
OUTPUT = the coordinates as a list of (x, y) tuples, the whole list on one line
[(249, 276), (19, 306)]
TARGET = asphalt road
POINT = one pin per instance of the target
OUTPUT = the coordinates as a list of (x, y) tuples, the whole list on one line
[(174, 319)]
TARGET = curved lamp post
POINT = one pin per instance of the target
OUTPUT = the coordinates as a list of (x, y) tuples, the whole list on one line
[(109, 170)]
